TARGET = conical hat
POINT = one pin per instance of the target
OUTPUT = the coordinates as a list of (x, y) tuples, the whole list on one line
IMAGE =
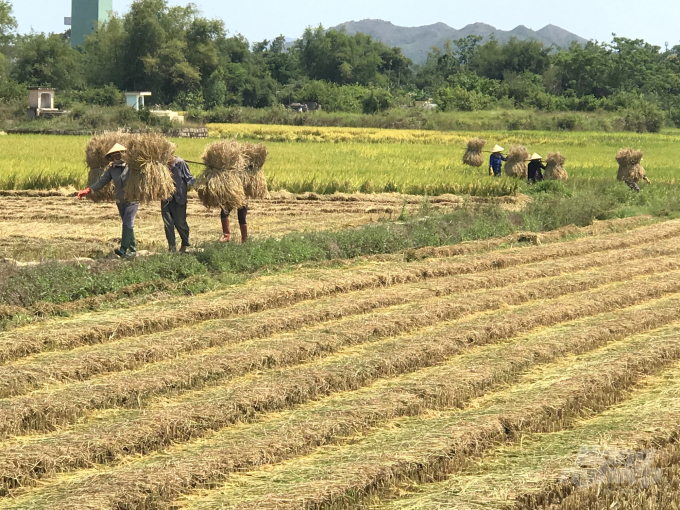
[(497, 148), (535, 157), (116, 148)]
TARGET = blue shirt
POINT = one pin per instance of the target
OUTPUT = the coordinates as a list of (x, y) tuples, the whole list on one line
[(496, 162), (182, 177)]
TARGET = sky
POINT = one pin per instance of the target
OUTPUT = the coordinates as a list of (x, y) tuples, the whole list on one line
[(656, 21)]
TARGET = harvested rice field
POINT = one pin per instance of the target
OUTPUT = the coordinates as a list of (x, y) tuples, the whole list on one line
[(484, 375), (42, 225)]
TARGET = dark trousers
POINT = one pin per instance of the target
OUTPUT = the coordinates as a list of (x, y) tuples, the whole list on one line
[(242, 215), (128, 212), (175, 217)]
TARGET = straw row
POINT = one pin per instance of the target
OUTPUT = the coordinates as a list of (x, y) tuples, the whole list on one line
[(132, 354), (212, 409), (546, 468), (43, 411), (169, 315), (427, 449)]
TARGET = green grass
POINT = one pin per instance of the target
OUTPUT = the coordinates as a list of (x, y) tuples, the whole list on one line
[(554, 206)]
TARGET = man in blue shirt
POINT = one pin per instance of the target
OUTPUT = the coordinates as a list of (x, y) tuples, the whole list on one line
[(496, 161), (174, 210)]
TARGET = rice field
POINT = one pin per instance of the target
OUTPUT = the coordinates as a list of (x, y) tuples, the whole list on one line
[(328, 160), (475, 376)]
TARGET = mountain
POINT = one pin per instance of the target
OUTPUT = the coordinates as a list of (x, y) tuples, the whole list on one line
[(416, 42)]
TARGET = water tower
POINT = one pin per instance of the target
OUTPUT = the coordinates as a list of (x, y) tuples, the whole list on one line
[(86, 15)]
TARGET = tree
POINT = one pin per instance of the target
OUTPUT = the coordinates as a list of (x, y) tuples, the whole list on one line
[(8, 23), (47, 60), (104, 55)]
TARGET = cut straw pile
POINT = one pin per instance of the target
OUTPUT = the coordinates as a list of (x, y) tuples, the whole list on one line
[(254, 181), (554, 170), (516, 165), (630, 169), (95, 156), (473, 155), (149, 157), (221, 184)]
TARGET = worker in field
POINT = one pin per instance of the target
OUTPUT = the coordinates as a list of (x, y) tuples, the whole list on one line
[(496, 161), (119, 173), (535, 169), (242, 214), (174, 210)]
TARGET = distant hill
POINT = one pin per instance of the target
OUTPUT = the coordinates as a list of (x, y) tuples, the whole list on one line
[(416, 42)]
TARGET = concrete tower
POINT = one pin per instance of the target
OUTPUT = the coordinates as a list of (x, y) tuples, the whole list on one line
[(85, 16)]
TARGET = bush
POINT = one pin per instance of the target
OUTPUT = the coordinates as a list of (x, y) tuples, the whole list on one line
[(459, 99), (379, 100), (643, 117)]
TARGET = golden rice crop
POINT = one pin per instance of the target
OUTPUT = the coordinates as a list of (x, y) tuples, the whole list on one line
[(221, 184), (254, 180), (473, 155), (149, 157), (555, 167), (516, 165), (219, 189)]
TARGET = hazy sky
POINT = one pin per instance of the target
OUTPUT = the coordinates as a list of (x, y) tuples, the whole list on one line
[(653, 20)]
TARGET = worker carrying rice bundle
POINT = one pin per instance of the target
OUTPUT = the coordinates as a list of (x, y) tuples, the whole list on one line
[(473, 155), (254, 186), (174, 209), (535, 168), (118, 173), (221, 184), (496, 161), (95, 156), (630, 168)]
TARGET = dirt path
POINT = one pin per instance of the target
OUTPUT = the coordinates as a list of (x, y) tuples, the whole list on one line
[(38, 225)]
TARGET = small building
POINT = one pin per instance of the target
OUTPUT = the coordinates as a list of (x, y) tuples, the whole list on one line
[(136, 99), (41, 102)]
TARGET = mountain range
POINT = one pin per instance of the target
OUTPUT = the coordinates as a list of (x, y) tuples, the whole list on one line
[(415, 42)]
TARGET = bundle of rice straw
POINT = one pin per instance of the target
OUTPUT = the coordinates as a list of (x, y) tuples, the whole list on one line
[(149, 157), (473, 156), (221, 184), (95, 156), (516, 165), (254, 181), (554, 170), (630, 169)]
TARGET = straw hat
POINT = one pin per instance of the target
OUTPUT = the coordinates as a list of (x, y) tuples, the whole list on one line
[(535, 157), (116, 148), (497, 148)]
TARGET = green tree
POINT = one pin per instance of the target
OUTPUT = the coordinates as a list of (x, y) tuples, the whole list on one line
[(8, 23), (47, 60)]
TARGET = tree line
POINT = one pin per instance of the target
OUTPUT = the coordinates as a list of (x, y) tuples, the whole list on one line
[(191, 62)]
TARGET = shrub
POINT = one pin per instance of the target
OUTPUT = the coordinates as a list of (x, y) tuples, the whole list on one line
[(378, 100), (643, 117)]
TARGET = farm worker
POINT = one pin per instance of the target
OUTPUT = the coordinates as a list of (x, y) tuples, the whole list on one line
[(242, 222), (119, 173), (174, 210), (496, 161), (633, 185), (536, 166)]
